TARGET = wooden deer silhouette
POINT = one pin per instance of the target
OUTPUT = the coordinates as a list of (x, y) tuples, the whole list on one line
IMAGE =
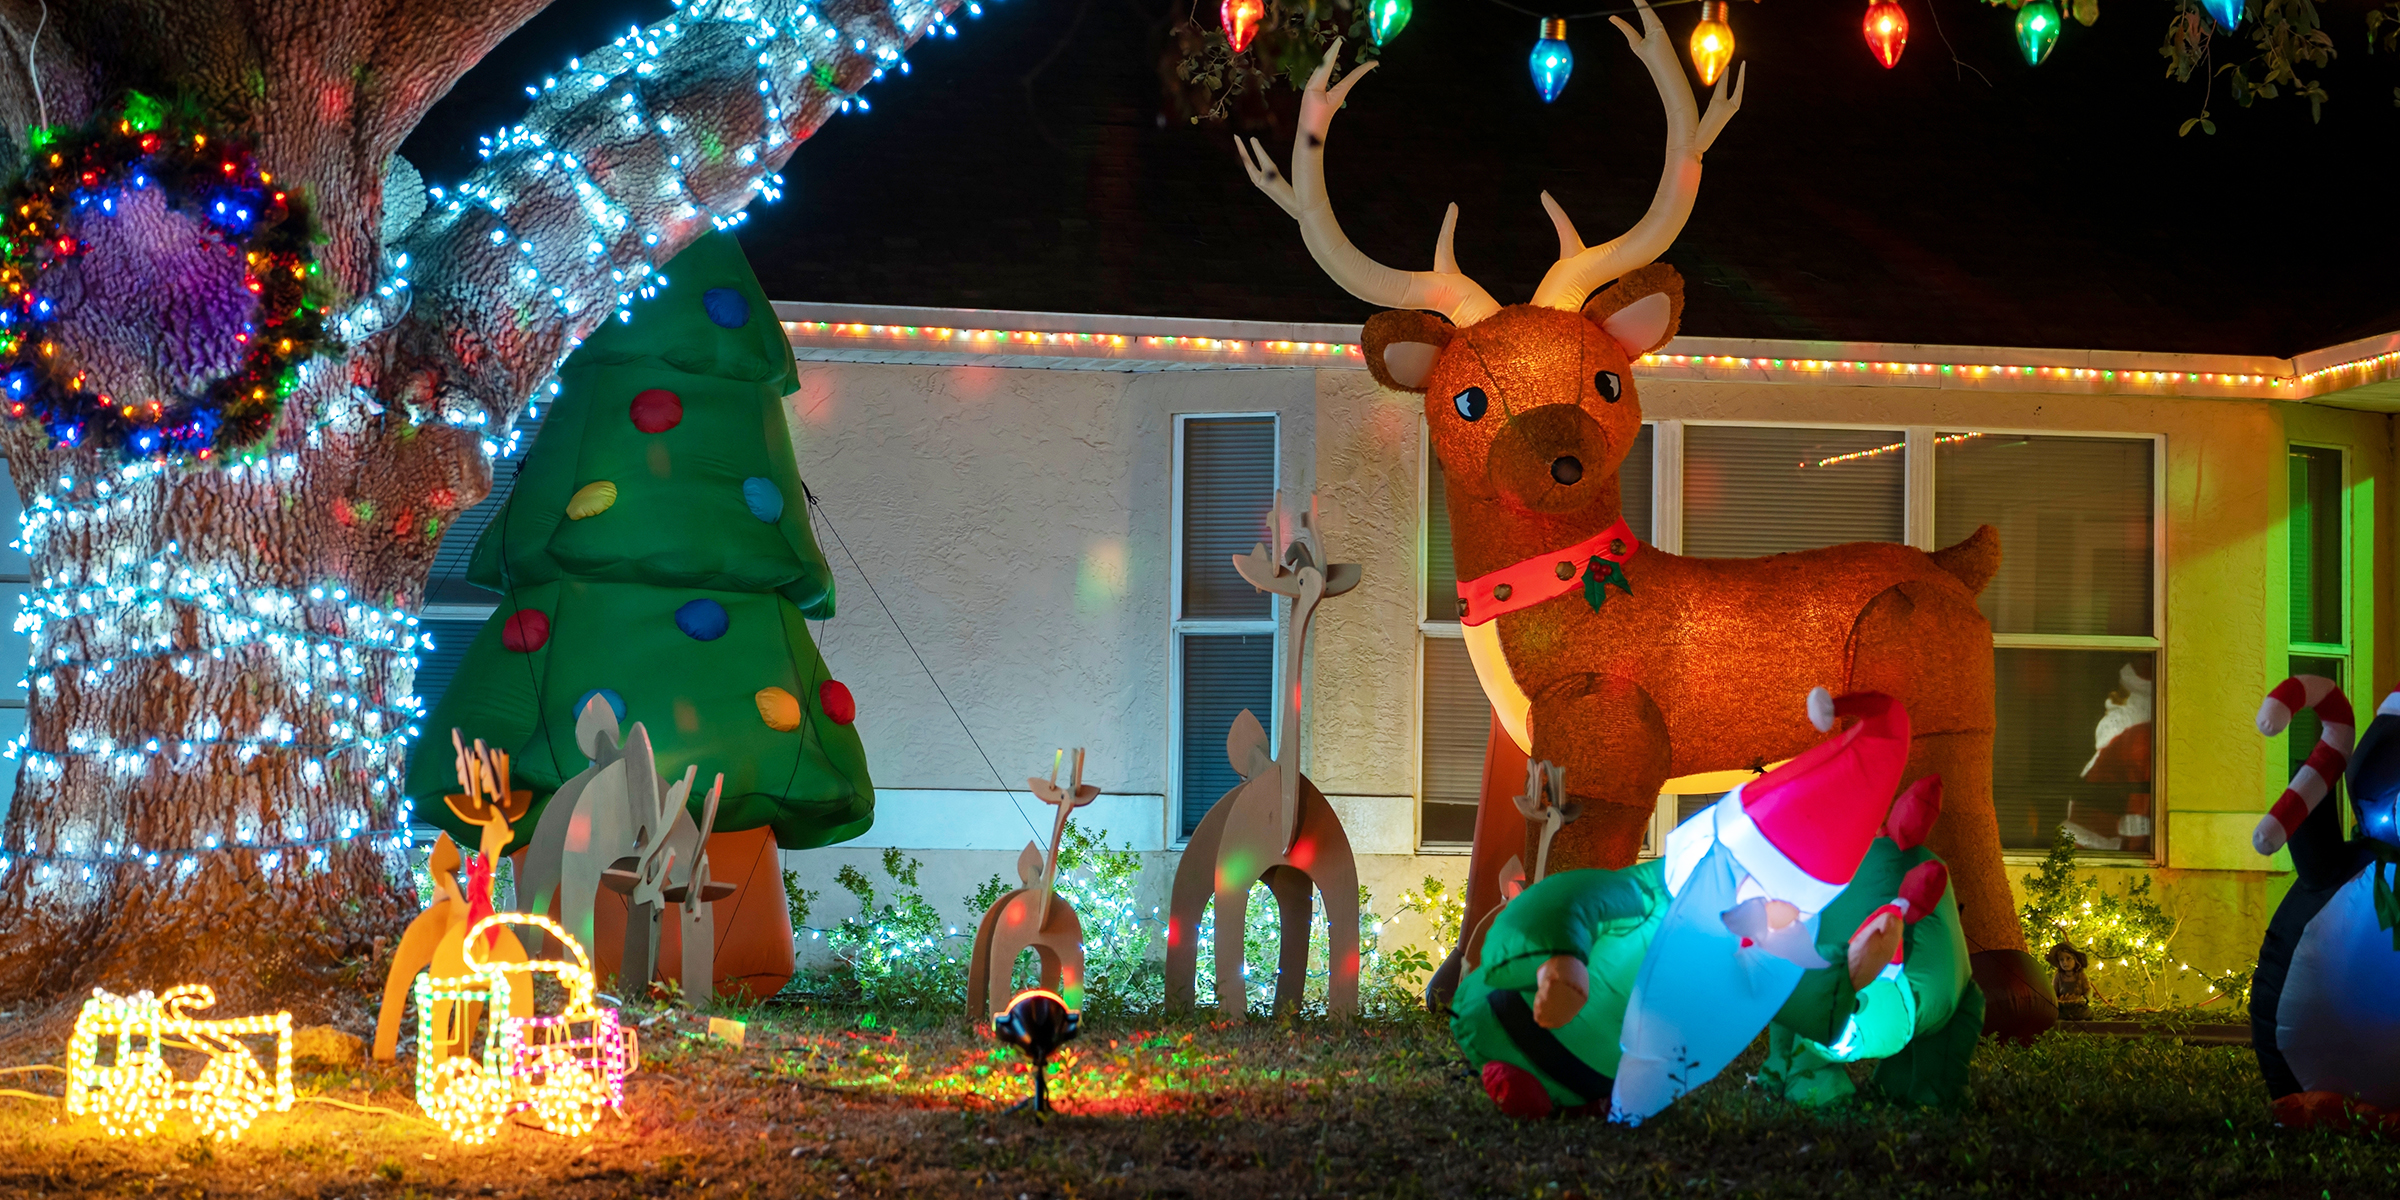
[(661, 836), (694, 895), (1624, 664), (1545, 809), (1273, 826), (436, 939), (1034, 917)]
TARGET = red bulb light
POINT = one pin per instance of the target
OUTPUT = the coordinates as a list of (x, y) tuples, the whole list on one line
[(1886, 27), (1240, 19)]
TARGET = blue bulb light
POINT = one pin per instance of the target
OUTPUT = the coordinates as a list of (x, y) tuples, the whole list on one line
[(1552, 60), (2226, 13)]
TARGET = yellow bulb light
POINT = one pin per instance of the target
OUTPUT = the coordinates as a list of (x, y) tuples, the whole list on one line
[(1712, 42), (136, 1091)]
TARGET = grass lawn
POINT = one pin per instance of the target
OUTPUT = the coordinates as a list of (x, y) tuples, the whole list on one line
[(820, 1103)]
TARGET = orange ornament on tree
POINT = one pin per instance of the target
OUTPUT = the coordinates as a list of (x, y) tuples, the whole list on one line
[(1241, 18), (1886, 27)]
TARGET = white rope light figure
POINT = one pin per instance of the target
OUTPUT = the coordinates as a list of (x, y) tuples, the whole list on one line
[(565, 1066), (135, 1093)]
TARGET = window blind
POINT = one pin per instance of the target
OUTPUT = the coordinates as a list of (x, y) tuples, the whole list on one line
[(1223, 673), (1441, 566), (2316, 545), (2074, 517), (1228, 491), (1456, 723), (2072, 746), (1758, 490)]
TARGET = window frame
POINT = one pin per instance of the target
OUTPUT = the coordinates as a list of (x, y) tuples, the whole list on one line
[(2343, 649), (1178, 626), (1919, 520)]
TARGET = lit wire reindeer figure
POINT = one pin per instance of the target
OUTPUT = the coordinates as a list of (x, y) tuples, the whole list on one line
[(1034, 917), (1275, 825)]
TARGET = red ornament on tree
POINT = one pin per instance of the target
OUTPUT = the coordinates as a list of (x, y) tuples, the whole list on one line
[(1241, 18), (837, 702), (1886, 28), (657, 410), (526, 631)]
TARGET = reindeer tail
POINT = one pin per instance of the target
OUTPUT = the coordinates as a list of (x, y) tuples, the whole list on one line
[(2326, 761), (1974, 561)]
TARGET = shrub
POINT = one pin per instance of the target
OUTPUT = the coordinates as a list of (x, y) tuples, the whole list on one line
[(2129, 937)]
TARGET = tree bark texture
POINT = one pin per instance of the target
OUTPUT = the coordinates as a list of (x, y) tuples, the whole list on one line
[(223, 664)]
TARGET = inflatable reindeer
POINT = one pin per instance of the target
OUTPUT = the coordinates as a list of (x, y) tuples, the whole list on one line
[(1546, 810), (1274, 825), (1621, 663), (1034, 917)]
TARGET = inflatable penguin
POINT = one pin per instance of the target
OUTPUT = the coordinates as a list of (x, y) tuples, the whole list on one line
[(1623, 990), (2323, 1014)]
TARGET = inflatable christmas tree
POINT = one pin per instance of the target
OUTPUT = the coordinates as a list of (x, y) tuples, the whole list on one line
[(656, 553)]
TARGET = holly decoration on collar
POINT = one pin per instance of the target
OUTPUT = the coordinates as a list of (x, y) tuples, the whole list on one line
[(81, 176), (1602, 574)]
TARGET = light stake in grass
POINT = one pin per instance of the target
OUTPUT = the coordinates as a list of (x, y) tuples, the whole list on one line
[(1037, 1022)]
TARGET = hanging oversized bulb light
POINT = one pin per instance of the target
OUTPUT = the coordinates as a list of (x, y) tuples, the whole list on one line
[(1886, 28), (1553, 60), (1240, 19), (1712, 42), (1386, 19), (2226, 13), (2037, 30)]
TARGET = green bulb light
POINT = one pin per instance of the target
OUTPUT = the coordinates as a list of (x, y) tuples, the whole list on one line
[(2037, 30), (1386, 19)]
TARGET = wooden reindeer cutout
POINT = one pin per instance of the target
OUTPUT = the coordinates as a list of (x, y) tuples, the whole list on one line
[(585, 827), (1625, 664), (1034, 917), (436, 940), (643, 875), (1546, 810), (1275, 825), (694, 895)]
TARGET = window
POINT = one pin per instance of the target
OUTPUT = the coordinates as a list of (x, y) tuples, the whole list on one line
[(1756, 490), (1454, 720), (1223, 657), (2073, 613), (16, 650), (2317, 527)]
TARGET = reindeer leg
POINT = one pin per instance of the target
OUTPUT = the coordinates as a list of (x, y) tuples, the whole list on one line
[(1499, 833), (1233, 917), (1337, 878), (1291, 888), (1194, 885), (1612, 740)]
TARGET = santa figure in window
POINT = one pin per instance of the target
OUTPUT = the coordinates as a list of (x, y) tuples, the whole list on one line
[(2121, 754)]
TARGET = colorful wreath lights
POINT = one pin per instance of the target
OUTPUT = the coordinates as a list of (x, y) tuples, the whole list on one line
[(81, 177), (136, 1091), (566, 1067)]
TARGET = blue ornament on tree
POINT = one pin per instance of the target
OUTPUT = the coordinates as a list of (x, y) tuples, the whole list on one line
[(702, 620), (726, 307), (764, 498), (616, 703), (2226, 13)]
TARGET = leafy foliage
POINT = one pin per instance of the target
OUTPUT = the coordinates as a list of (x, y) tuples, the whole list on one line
[(2129, 937), (1289, 45), (896, 954)]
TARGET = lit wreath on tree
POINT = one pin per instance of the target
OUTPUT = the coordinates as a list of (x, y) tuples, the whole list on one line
[(212, 179)]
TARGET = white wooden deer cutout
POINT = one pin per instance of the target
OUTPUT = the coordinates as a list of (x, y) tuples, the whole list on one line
[(1275, 825), (1033, 917), (695, 894), (1546, 810)]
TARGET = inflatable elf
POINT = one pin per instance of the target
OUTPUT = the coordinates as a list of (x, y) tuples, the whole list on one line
[(1627, 989)]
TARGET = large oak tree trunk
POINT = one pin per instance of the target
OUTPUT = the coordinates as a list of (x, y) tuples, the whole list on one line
[(210, 790)]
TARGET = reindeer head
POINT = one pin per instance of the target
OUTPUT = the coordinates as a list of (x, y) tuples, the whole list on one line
[(1531, 405)]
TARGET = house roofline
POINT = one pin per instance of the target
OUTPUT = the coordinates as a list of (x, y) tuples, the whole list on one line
[(2359, 373)]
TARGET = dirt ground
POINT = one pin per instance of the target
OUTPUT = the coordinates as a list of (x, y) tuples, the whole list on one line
[(835, 1103)]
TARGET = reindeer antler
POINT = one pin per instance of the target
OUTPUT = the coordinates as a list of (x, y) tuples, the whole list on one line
[(1579, 270), (1443, 289)]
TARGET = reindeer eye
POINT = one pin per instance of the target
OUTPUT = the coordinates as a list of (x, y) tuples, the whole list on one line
[(1471, 403), (1611, 387)]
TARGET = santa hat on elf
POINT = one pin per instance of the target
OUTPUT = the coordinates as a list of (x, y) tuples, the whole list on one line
[(1802, 829)]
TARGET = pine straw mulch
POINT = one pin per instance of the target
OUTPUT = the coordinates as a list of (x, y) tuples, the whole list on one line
[(840, 1103)]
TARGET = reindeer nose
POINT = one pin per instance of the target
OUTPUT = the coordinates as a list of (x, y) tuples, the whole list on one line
[(1566, 469)]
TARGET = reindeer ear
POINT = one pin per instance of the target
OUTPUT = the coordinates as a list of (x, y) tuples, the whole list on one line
[(1401, 347), (1642, 311)]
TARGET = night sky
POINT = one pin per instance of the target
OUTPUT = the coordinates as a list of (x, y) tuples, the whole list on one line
[(1028, 164)]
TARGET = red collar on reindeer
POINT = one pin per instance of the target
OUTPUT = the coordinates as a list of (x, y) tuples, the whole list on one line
[(1598, 560)]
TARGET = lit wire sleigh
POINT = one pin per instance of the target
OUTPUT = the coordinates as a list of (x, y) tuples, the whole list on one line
[(137, 1090), (565, 1066)]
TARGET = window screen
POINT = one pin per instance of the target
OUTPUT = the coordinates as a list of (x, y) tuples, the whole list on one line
[(1441, 568), (1223, 673), (1228, 491), (1757, 490), (2074, 518), (2316, 545), (2302, 736), (1457, 722), (2072, 746)]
